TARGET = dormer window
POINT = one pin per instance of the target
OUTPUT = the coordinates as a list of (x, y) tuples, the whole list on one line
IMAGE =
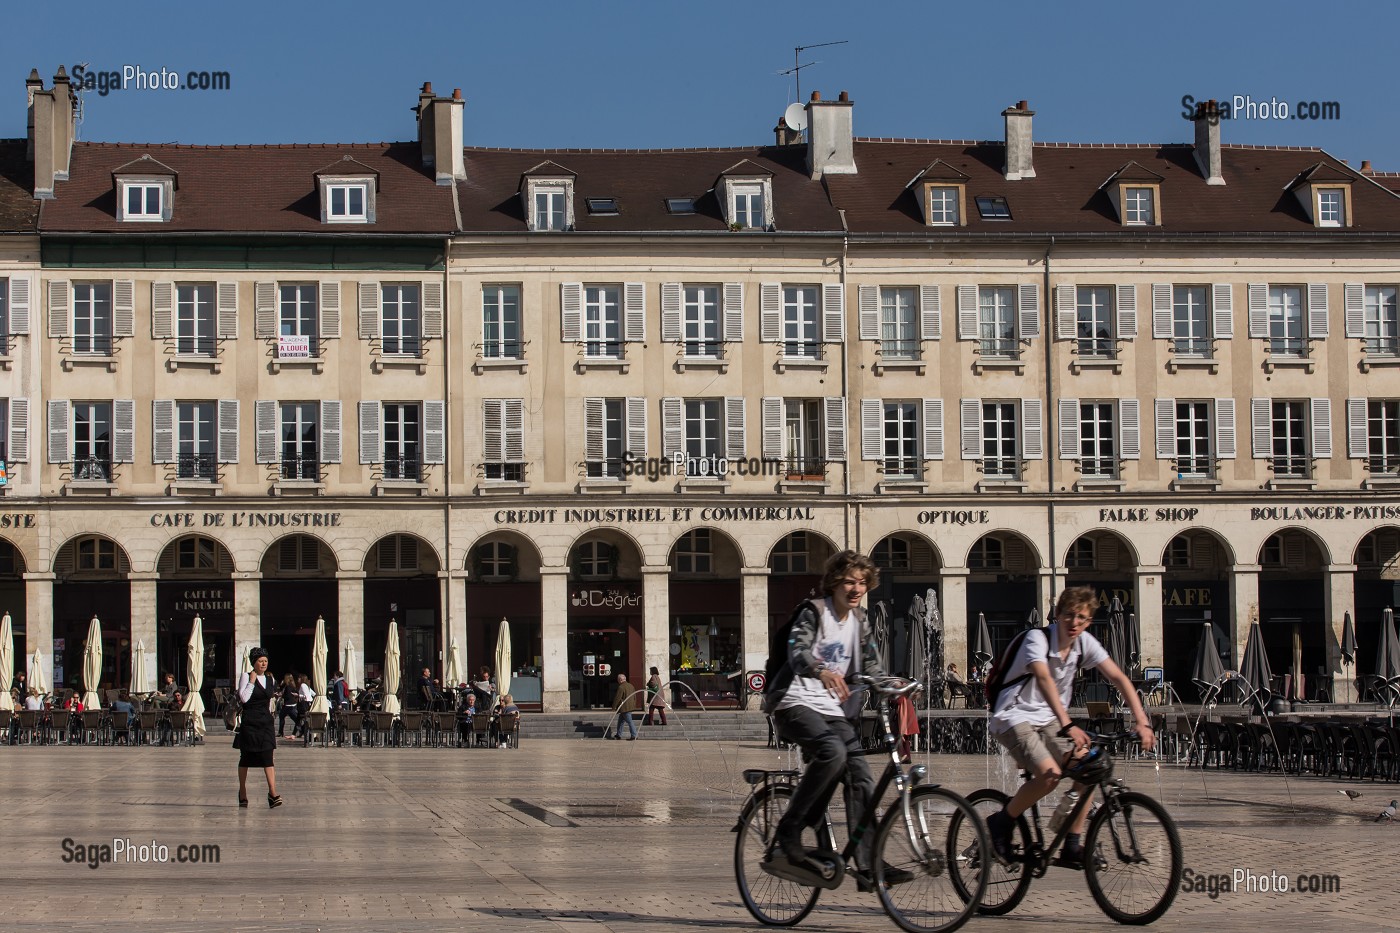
[(748, 210), (1324, 192), (1134, 191), (347, 203), (348, 189), (944, 205), (145, 190), (1331, 207), (1139, 206), (745, 192)]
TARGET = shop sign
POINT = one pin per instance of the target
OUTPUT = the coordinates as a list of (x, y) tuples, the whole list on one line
[(605, 600), (716, 514), (266, 519)]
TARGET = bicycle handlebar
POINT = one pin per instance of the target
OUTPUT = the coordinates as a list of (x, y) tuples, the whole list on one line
[(889, 686)]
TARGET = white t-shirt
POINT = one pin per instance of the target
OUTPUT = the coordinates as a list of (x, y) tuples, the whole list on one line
[(1024, 702), (835, 646)]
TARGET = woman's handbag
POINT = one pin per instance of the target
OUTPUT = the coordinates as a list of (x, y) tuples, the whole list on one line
[(238, 732)]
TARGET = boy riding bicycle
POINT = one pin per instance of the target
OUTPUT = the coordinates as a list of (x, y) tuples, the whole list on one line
[(1031, 720), (812, 706)]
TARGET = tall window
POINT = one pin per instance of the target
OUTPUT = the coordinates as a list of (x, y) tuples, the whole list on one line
[(1382, 321), (296, 315), (1179, 552), (790, 554), (1286, 320), (1193, 457), (1331, 207), (1290, 449), (614, 428), (402, 440), (92, 317), (594, 559), (1383, 435), (943, 207), (496, 560), (695, 552), (701, 322), (92, 441), (1097, 451), (1137, 206), (1191, 320), (898, 339), (902, 440), (999, 458), (748, 207), (1081, 554), (1094, 322), (702, 441), (602, 322), (197, 440), (801, 337), (550, 210), (500, 322), (997, 320), (802, 437), (403, 320), (299, 430), (194, 320)]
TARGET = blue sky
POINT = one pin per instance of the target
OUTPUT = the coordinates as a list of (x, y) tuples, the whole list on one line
[(621, 74)]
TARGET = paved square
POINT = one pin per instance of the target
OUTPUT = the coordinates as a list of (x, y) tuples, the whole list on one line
[(569, 835)]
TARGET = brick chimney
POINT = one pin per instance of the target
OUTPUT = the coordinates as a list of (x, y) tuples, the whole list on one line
[(1018, 142), (1207, 120), (830, 148), (440, 134), (1366, 167)]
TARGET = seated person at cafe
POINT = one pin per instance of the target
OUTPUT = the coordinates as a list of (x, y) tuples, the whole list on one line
[(168, 690), (369, 699), (123, 717), (466, 712), (427, 690), (485, 689), (34, 700), (507, 707)]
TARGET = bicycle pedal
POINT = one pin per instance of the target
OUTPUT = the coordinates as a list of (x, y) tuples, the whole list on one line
[(821, 869)]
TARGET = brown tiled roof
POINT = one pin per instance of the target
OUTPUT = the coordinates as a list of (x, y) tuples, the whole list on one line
[(19, 212), (251, 189)]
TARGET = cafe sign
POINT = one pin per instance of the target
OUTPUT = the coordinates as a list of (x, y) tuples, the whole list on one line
[(605, 600)]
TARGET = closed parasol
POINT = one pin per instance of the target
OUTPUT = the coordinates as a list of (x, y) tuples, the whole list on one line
[(194, 656), (319, 652), (391, 669), (503, 663), (92, 665)]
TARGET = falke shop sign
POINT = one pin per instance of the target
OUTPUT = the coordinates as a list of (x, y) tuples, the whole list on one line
[(605, 600)]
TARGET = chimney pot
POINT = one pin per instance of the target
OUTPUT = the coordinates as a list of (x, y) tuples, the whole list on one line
[(62, 75), (1023, 105), (456, 93), (34, 77), (843, 96), (428, 87), (816, 95), (1366, 166)]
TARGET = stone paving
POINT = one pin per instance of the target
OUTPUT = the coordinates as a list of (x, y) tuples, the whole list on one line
[(575, 835)]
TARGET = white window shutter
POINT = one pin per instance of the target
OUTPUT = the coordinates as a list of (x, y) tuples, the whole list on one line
[(226, 310), (1066, 310), (1358, 434), (970, 415), (672, 427), (834, 418), (967, 312), (371, 450), (19, 430), (734, 312), (734, 447), (1317, 310), (872, 429), (330, 430), (1225, 428), (1322, 428), (59, 298), (1261, 429), (513, 430), (1069, 429), (432, 310), (265, 428), (1258, 311), (1127, 312), (162, 310), (1165, 412), (933, 428), (330, 310), (868, 298), (930, 312), (163, 430), (772, 409), (770, 312), (571, 312), (123, 430), (1162, 313), (228, 430), (1222, 307), (1129, 429), (593, 439), (1032, 429), (833, 312), (1030, 311), (369, 315), (19, 304), (636, 413), (1354, 300), (265, 310), (434, 431), (58, 431), (492, 440), (634, 312), (671, 331), (123, 308)]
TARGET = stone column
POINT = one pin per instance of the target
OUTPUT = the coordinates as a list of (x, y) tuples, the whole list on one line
[(455, 599), (350, 611), (38, 620), (1340, 599), (1244, 606), (1046, 593), (952, 604), (1148, 599), (554, 631), (247, 609), (656, 613), (753, 598), (142, 588)]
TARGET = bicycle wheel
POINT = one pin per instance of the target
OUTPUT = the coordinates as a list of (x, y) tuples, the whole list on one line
[(1132, 858), (937, 897), (1006, 885), (771, 900)]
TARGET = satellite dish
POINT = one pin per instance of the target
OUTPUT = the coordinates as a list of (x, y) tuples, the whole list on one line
[(796, 117)]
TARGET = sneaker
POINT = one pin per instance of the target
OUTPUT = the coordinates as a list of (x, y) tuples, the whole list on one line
[(1000, 826), (790, 847), (1070, 857)]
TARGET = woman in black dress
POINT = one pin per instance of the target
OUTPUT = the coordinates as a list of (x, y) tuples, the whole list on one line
[(258, 734)]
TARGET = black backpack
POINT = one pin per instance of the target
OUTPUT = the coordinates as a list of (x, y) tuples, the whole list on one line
[(996, 681), (778, 646)]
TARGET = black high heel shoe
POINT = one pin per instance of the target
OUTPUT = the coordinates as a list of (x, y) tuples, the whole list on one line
[(242, 802), (273, 801)]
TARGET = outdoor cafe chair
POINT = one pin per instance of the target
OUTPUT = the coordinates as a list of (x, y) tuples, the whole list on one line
[(315, 723), (94, 723), (119, 726), (410, 727), (30, 726), (381, 728), (349, 726), (147, 724), (957, 691), (508, 730), (181, 728), (481, 729)]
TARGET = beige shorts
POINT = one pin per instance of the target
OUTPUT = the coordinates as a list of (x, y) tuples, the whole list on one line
[(1029, 745)]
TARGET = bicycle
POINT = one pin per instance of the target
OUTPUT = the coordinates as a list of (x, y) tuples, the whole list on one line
[(913, 836), (1130, 840)]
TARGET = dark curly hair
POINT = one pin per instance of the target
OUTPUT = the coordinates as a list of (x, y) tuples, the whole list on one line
[(842, 563)]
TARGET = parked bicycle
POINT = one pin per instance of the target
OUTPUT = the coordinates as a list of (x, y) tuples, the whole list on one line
[(915, 836), (1132, 851)]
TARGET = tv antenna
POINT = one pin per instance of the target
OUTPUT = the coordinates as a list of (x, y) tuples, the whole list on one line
[(798, 64)]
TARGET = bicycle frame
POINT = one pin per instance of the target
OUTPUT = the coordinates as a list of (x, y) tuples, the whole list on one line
[(1038, 859)]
